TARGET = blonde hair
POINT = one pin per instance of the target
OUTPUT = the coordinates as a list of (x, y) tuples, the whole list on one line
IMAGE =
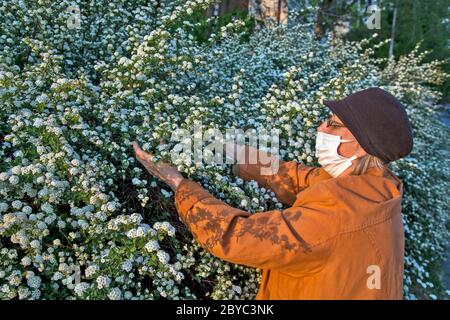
[(366, 162)]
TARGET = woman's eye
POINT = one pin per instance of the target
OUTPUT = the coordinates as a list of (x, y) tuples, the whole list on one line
[(336, 125)]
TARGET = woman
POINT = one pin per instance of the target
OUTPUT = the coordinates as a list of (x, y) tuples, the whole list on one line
[(342, 235)]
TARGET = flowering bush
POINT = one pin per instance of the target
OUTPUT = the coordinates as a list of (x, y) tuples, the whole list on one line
[(81, 219)]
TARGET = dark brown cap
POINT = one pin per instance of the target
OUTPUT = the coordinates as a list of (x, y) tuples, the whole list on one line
[(378, 121)]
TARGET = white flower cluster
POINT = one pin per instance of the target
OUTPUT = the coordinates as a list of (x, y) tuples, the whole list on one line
[(152, 246), (76, 205)]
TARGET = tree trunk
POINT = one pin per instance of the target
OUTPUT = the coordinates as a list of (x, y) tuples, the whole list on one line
[(324, 6), (226, 6), (414, 20), (358, 20), (394, 23), (275, 10), (230, 5)]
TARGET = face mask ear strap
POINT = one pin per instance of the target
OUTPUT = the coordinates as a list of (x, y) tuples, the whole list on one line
[(347, 140)]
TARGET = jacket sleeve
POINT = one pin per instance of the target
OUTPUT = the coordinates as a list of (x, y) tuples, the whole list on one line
[(287, 181), (296, 241)]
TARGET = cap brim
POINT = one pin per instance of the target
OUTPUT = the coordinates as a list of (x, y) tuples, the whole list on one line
[(340, 109), (345, 114)]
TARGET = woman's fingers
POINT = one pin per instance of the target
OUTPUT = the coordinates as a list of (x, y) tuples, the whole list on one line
[(161, 170), (164, 171), (137, 150), (141, 154), (145, 159)]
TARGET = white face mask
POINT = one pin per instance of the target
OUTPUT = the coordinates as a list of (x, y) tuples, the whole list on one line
[(327, 154)]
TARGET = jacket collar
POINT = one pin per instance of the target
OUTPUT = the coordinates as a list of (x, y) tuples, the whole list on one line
[(375, 172)]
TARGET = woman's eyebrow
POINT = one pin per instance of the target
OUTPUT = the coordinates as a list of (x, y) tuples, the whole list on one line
[(337, 122)]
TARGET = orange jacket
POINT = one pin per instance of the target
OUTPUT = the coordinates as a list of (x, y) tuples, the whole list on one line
[(342, 238)]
